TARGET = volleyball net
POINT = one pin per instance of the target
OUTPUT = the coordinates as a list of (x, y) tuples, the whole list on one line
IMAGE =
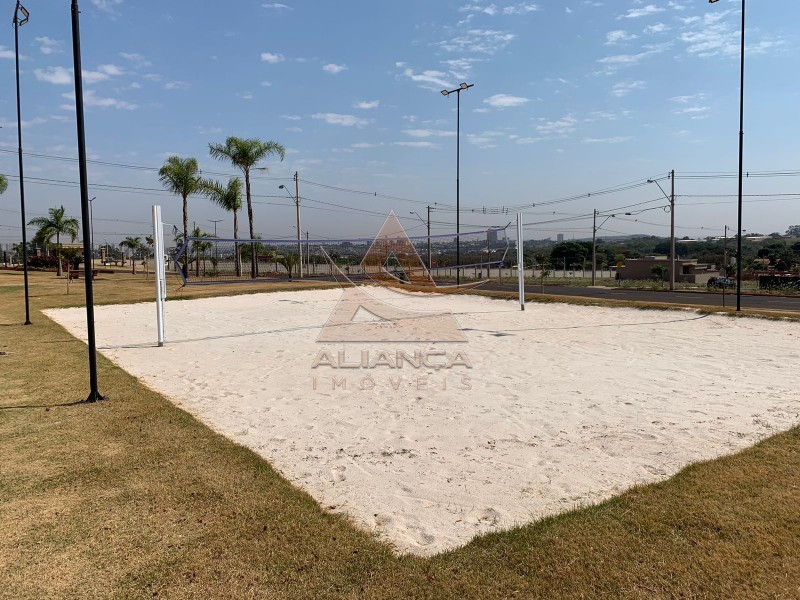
[(391, 255)]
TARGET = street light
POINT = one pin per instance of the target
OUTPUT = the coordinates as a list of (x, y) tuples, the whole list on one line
[(17, 24), (94, 393), (671, 200), (413, 212), (741, 166), (457, 91), (595, 227), (296, 199)]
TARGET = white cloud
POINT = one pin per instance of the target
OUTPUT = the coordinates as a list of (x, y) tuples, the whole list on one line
[(460, 67), (106, 5), (657, 28), (276, 6), (608, 140), (480, 41), (505, 101), (688, 99), (176, 85), (6, 53), (416, 144), (269, 57), (691, 110), (337, 119), (55, 75), (423, 133), (612, 63), (334, 69), (102, 73), (492, 9), (48, 45), (90, 99), (291, 117), (559, 127), (618, 36), (364, 145), (429, 77), (367, 104), (266, 84), (624, 88), (635, 13), (137, 60)]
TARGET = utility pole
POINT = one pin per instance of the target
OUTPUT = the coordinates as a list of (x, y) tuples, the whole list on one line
[(724, 264), (297, 203), (672, 233), (594, 245), (430, 265), (215, 221)]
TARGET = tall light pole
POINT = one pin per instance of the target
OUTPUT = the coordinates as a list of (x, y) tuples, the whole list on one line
[(595, 227), (296, 199), (741, 166), (17, 24), (457, 91), (94, 393), (671, 200), (413, 212), (215, 221)]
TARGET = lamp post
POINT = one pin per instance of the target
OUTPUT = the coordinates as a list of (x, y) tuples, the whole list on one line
[(413, 212), (94, 393), (457, 91), (17, 24), (671, 200), (595, 227), (741, 165), (296, 199), (215, 221)]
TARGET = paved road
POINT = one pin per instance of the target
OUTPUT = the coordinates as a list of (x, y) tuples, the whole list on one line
[(699, 298)]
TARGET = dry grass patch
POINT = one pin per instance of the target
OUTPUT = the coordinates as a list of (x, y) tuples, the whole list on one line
[(134, 498)]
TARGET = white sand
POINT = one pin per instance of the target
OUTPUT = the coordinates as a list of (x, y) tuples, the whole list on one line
[(569, 405)]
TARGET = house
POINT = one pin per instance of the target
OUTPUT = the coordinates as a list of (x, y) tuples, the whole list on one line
[(686, 270)]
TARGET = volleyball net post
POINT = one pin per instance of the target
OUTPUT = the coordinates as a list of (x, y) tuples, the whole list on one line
[(160, 273)]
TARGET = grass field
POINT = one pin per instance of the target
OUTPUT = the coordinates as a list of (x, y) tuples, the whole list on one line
[(133, 498)]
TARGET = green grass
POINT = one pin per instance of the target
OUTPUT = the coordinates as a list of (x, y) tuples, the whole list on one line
[(134, 498)]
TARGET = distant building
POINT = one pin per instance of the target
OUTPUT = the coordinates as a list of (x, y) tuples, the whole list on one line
[(491, 236), (560, 237), (686, 270)]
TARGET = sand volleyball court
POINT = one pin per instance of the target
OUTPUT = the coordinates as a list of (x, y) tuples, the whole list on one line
[(548, 409)]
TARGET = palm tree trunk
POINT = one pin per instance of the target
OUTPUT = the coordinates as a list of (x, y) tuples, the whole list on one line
[(237, 257), (253, 254), (133, 263), (186, 235), (59, 271)]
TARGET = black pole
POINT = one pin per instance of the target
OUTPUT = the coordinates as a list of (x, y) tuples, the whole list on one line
[(21, 176), (94, 393), (741, 166), (458, 177)]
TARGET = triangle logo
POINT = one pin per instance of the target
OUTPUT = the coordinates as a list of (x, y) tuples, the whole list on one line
[(360, 317)]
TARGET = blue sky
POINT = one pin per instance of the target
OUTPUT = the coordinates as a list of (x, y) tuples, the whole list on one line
[(570, 98)]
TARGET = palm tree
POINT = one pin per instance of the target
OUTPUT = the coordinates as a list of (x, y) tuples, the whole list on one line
[(3, 183), (56, 224), (133, 244), (181, 176), (199, 249), (244, 154), (229, 198)]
